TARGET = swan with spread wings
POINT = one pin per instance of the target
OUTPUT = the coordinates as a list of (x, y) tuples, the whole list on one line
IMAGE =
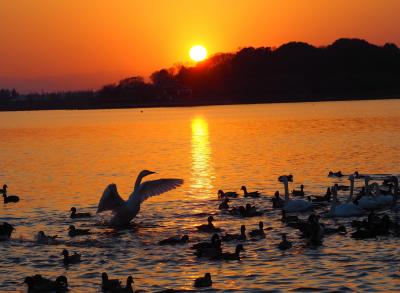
[(125, 211)]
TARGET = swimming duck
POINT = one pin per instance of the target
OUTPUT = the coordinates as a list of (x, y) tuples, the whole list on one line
[(298, 192), (251, 211), (222, 194), (38, 284), (125, 211), (212, 252), (327, 197), (204, 245), (293, 205), (109, 284), (77, 232), (71, 259), (288, 219), (175, 240), (209, 227), (234, 255), (224, 205), (258, 232), (5, 231), (285, 244), (314, 231), (203, 281), (75, 215), (230, 237), (8, 198), (42, 238), (335, 174), (249, 194), (277, 201), (127, 289)]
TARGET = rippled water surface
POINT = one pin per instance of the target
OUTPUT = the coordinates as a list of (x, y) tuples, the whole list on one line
[(58, 159)]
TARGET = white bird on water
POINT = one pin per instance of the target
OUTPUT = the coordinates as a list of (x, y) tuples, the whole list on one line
[(125, 211)]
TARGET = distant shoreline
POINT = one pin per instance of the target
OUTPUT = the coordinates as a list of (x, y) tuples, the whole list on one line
[(182, 104)]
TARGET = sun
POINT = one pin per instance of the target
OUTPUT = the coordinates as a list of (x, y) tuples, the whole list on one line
[(198, 53)]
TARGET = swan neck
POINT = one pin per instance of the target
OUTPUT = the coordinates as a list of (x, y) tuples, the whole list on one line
[(138, 181), (286, 184), (351, 190)]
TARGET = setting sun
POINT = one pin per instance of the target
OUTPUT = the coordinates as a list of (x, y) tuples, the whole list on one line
[(198, 53)]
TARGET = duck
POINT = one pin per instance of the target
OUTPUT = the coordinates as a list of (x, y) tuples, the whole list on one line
[(232, 255), (70, 259), (6, 230), (293, 205), (249, 194), (348, 209), (8, 198), (209, 227), (258, 232), (77, 232), (125, 210), (202, 282), (38, 284), (288, 219), (75, 215), (204, 245), (298, 192), (42, 238), (326, 198), (109, 284), (314, 231), (174, 240), (212, 252), (277, 201), (222, 194), (127, 289), (224, 204), (335, 174), (251, 211), (284, 244), (230, 237)]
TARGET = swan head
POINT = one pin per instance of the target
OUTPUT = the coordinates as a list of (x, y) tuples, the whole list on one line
[(351, 178), (210, 219), (243, 188), (5, 186), (283, 179), (145, 173), (207, 276), (73, 209)]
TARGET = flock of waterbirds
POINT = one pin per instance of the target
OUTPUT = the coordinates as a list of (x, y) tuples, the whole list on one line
[(380, 196)]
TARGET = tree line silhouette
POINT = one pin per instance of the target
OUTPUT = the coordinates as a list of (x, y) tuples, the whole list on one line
[(296, 71)]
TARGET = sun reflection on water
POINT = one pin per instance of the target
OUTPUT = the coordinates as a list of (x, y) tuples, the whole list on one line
[(202, 170)]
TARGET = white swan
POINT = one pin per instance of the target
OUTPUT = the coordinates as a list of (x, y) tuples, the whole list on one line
[(293, 205), (381, 199), (125, 211), (347, 209), (366, 201)]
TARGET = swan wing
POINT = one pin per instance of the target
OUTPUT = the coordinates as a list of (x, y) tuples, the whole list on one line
[(110, 200), (154, 187)]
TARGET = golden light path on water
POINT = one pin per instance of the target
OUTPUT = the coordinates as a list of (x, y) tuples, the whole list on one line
[(202, 169)]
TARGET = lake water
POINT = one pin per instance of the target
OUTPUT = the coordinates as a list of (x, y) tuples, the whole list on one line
[(58, 159)]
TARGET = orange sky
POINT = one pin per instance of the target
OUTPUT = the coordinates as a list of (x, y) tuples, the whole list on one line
[(71, 44)]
